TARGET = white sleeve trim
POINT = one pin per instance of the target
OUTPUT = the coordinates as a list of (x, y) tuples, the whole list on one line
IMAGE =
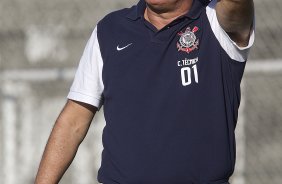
[(81, 97), (232, 49), (88, 86)]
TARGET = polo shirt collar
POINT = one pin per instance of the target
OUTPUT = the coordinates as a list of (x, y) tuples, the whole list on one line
[(137, 11), (197, 6)]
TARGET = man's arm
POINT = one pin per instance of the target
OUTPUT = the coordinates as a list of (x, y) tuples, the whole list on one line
[(69, 131), (236, 18)]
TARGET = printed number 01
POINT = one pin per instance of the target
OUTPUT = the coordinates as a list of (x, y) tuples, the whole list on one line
[(186, 75)]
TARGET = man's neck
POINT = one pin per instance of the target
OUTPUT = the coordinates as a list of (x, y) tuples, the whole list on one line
[(162, 18)]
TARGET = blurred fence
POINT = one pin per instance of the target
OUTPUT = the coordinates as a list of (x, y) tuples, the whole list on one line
[(40, 45)]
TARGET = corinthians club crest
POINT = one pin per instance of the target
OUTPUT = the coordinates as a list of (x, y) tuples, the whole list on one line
[(188, 40)]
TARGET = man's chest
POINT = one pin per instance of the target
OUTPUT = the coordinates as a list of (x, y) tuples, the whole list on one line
[(178, 57)]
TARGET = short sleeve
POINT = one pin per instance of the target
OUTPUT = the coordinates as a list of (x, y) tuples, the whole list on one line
[(87, 86), (234, 51)]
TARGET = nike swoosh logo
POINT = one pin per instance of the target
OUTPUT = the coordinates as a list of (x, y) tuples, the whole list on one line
[(121, 48)]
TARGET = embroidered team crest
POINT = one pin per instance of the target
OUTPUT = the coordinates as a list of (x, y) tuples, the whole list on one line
[(188, 40)]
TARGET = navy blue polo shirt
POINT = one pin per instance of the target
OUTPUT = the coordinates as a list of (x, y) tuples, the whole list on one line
[(170, 96)]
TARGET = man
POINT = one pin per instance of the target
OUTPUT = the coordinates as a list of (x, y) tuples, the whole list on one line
[(168, 73)]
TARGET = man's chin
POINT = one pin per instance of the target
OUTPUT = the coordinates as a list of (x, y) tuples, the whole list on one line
[(159, 8)]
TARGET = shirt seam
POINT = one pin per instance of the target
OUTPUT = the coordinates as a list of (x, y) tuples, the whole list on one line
[(97, 98)]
